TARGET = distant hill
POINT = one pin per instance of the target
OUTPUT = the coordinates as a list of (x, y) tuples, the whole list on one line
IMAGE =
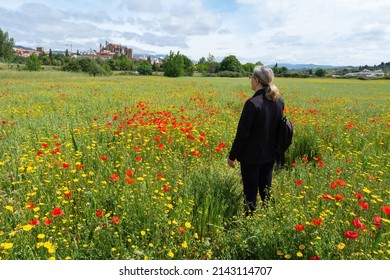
[(138, 55), (304, 66), (22, 47)]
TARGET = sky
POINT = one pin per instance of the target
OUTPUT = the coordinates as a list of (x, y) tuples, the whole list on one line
[(329, 32)]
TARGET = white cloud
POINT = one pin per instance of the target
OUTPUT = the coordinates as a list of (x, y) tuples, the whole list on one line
[(300, 31)]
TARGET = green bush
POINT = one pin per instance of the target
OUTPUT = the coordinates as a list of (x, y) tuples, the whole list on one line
[(229, 74)]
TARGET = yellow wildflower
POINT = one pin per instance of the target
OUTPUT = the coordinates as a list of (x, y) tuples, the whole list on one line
[(27, 227), (41, 236), (341, 246), (7, 245)]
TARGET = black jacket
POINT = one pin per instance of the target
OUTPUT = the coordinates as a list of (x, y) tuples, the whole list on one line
[(255, 138)]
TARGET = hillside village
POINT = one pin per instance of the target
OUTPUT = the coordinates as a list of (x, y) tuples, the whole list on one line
[(106, 51)]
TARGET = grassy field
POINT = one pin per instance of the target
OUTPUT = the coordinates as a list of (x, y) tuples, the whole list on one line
[(135, 168)]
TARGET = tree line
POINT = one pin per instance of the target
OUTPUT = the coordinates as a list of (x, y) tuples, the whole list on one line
[(173, 64)]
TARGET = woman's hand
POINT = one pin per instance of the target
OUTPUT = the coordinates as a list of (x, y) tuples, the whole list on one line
[(231, 163)]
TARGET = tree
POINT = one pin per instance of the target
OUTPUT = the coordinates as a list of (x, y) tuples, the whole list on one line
[(320, 72), (276, 69), (212, 64), (173, 65), (6, 45), (248, 68), (33, 63), (145, 68), (125, 63), (230, 63), (202, 65), (283, 70), (51, 56), (189, 67)]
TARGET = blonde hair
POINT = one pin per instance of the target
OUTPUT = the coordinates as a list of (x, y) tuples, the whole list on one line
[(265, 76)]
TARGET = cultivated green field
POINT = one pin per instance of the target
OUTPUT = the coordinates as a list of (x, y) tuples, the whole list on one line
[(135, 168)]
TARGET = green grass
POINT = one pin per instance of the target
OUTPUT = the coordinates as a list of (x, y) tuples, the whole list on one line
[(150, 154)]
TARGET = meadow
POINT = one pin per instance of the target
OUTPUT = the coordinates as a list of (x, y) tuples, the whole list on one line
[(122, 167)]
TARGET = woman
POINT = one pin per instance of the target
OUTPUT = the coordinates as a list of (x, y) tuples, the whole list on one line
[(254, 144)]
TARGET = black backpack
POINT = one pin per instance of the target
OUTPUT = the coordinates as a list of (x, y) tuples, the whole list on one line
[(284, 135)]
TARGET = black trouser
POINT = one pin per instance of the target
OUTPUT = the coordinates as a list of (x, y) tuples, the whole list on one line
[(256, 178), (280, 161)]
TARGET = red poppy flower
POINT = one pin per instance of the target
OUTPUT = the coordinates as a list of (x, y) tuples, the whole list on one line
[(34, 222), (39, 153), (47, 221), (299, 182), (320, 163), (115, 220), (137, 148), (160, 176), (339, 197), (299, 227), (222, 144), (45, 145), (333, 185), (315, 257), (338, 170), (377, 221), (104, 158), (99, 213), (57, 212), (67, 194), (294, 164), (65, 165), (304, 159), (196, 153), (182, 230), (328, 196), (386, 209), (364, 205), (130, 180), (114, 177), (189, 136), (341, 182), (316, 221), (357, 224), (79, 166), (359, 196), (30, 205), (129, 172), (351, 234), (166, 189), (218, 149), (56, 151), (138, 158)]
